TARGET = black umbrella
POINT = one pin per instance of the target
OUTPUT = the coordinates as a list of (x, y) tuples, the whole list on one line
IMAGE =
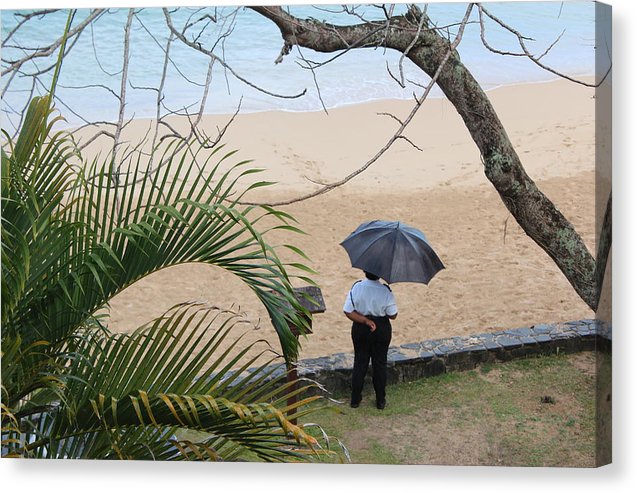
[(393, 251)]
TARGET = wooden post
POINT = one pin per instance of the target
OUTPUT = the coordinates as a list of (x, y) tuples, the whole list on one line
[(293, 377), (315, 304)]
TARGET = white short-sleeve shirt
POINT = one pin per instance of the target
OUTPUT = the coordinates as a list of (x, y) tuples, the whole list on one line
[(373, 298)]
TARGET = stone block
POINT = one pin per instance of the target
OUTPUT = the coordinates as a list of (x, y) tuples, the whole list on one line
[(439, 352), (518, 352), (533, 349), (399, 357), (491, 345), (504, 355), (447, 348), (568, 334), (425, 355), (412, 371), (542, 328), (490, 357), (486, 336), (546, 348), (459, 359), (470, 348), (394, 375), (412, 346), (436, 367), (508, 342), (523, 331)]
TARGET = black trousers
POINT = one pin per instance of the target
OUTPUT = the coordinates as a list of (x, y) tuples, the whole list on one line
[(370, 345)]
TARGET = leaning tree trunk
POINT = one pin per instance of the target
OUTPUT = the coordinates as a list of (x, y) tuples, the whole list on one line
[(532, 210)]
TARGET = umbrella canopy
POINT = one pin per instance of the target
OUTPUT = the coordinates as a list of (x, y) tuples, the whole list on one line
[(393, 251)]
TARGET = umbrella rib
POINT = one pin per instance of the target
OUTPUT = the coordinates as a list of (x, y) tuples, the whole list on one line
[(393, 250)]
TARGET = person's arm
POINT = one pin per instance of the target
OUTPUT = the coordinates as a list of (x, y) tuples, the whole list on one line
[(361, 319), (391, 309)]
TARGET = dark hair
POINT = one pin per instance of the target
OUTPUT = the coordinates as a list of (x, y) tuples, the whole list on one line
[(370, 276)]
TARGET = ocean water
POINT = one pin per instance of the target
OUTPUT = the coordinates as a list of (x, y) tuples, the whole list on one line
[(357, 76)]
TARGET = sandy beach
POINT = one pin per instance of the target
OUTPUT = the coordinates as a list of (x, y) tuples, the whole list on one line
[(495, 277)]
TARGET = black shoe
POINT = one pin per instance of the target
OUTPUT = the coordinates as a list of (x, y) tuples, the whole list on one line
[(380, 405), (354, 404)]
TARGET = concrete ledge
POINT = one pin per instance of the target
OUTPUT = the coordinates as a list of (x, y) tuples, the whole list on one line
[(432, 357)]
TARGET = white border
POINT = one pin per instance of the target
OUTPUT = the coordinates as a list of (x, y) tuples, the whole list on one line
[(620, 476)]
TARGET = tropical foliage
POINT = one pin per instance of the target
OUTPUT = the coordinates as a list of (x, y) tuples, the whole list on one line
[(76, 234)]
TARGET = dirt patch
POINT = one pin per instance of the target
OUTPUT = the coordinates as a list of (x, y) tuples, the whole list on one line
[(585, 362), (493, 417), (491, 376), (440, 446)]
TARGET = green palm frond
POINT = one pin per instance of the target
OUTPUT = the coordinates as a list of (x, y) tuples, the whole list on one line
[(35, 177), (124, 396)]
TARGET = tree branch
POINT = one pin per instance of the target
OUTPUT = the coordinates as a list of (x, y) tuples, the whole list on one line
[(398, 135)]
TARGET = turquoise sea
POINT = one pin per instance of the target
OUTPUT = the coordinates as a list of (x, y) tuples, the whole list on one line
[(358, 76)]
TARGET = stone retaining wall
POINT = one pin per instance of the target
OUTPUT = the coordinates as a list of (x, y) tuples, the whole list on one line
[(433, 357)]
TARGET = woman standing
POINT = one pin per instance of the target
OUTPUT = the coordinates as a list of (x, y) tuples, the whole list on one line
[(370, 305)]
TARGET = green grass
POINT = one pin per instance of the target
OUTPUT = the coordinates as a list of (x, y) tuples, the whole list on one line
[(492, 415), (378, 453)]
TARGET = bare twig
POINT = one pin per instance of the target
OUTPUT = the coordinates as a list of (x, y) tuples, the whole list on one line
[(25, 18), (172, 62), (122, 92), (95, 136), (409, 141), (48, 50), (400, 122), (204, 98), (22, 113), (316, 84), (208, 143), (525, 51), (222, 62), (421, 23), (97, 58), (92, 86)]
